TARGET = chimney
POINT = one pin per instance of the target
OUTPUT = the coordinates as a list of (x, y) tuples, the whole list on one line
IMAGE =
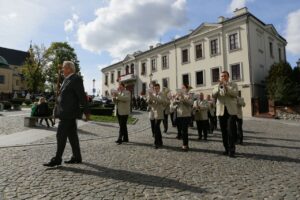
[(298, 63), (221, 19), (240, 11), (151, 47)]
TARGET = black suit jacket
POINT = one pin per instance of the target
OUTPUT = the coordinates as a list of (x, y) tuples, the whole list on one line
[(72, 95)]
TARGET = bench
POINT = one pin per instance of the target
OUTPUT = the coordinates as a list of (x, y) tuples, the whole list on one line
[(31, 121)]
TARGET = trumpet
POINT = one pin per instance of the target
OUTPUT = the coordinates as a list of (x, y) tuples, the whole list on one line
[(222, 88)]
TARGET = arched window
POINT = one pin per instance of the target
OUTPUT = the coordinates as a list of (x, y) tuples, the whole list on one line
[(132, 68), (127, 69)]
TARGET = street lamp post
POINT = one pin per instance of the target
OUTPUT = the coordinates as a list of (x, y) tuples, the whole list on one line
[(94, 89)]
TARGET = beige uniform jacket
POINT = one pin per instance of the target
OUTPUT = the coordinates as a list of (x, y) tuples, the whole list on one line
[(240, 104), (157, 104), (227, 98), (122, 103), (184, 106), (200, 110)]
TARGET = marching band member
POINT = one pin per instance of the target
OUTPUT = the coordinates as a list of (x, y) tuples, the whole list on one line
[(157, 102), (211, 114), (225, 93), (200, 108), (121, 98), (184, 103), (240, 104), (166, 92)]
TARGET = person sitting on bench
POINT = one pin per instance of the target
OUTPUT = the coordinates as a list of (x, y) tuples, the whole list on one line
[(43, 111)]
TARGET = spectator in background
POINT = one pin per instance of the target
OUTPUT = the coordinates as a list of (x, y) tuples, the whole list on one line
[(43, 111)]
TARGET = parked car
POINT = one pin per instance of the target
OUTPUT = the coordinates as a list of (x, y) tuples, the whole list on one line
[(97, 100)]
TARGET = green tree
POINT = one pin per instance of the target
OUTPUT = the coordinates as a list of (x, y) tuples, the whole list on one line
[(296, 78), (56, 54), (33, 69), (280, 84)]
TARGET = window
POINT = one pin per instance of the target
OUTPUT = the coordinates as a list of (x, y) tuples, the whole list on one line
[(164, 62), (199, 51), (143, 70), (112, 77), (233, 41), (132, 69), (235, 72), (215, 73), (271, 49), (185, 79), (153, 64), (2, 79), (185, 55), (119, 75), (144, 87), (165, 82), (279, 54), (200, 78), (106, 93), (17, 82), (214, 47), (106, 79)]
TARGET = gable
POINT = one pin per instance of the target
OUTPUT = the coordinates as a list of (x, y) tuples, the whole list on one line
[(128, 58), (205, 27)]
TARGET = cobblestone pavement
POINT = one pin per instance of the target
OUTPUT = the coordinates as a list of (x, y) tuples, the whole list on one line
[(13, 121), (266, 167)]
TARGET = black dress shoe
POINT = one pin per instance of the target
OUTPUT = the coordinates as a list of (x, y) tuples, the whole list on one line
[(231, 154), (119, 141), (73, 161), (53, 162), (125, 140), (225, 153)]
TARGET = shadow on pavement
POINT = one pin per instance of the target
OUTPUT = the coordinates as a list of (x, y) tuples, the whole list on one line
[(238, 154), (80, 131), (132, 177), (269, 145), (271, 138)]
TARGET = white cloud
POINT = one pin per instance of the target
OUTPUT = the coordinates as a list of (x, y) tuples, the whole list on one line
[(292, 32), (20, 20), (124, 26), (237, 4), (69, 25)]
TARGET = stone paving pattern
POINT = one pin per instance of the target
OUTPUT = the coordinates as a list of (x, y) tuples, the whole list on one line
[(266, 167)]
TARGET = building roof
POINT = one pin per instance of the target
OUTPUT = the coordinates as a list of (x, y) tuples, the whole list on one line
[(13, 57), (3, 63), (247, 14)]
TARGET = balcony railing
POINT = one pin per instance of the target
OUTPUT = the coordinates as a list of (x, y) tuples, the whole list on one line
[(127, 77)]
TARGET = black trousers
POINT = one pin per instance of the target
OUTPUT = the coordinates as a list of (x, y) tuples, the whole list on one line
[(165, 122), (202, 126), (211, 122), (157, 132), (172, 119), (240, 134), (67, 129), (152, 122), (182, 127), (123, 133), (228, 129), (41, 120)]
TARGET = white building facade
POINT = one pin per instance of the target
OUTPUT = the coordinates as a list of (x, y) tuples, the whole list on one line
[(242, 45)]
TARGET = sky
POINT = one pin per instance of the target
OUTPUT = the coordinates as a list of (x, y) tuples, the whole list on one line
[(103, 32)]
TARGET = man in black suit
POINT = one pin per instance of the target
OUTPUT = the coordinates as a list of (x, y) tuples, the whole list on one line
[(71, 96)]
